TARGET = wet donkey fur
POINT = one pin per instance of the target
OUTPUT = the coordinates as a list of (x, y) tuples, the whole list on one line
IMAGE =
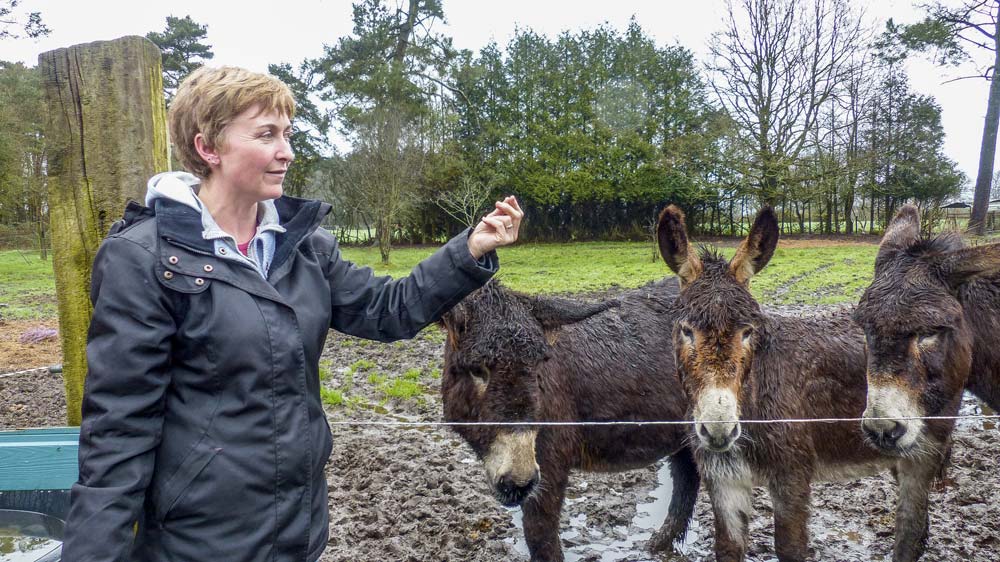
[(514, 358), (737, 363), (931, 318)]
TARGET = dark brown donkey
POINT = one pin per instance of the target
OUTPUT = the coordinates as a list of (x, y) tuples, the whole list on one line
[(738, 363), (514, 358), (931, 314)]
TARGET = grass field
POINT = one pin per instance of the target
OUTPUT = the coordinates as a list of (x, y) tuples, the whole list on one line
[(27, 286), (806, 272), (801, 272)]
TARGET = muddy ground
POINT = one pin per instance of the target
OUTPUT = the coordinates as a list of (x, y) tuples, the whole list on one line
[(418, 494)]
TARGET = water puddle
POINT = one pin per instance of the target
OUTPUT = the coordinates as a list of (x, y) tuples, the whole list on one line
[(585, 542), (973, 407)]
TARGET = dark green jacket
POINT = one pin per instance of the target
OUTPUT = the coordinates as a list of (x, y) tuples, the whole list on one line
[(202, 419)]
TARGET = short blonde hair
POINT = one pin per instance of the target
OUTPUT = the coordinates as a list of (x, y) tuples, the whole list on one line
[(210, 98)]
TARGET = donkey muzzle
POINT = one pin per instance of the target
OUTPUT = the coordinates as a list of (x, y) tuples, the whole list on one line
[(511, 492), (884, 434), (885, 422), (716, 416), (511, 467), (718, 436)]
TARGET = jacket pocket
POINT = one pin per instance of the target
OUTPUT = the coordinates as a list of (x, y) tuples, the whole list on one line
[(167, 495)]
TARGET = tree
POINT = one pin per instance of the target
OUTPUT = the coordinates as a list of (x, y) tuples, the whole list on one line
[(382, 79), (466, 202), (774, 66), (381, 171), (13, 22), (22, 150), (183, 50), (950, 33), (310, 126)]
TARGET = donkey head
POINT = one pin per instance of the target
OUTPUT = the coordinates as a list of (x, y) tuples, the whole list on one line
[(718, 322), (496, 340), (918, 340)]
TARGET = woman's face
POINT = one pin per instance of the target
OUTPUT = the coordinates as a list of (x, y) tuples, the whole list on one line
[(255, 154)]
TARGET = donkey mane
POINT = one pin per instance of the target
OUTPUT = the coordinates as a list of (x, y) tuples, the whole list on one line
[(945, 242), (711, 254), (924, 248)]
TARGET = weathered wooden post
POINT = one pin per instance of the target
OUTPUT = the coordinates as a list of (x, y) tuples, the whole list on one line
[(106, 136)]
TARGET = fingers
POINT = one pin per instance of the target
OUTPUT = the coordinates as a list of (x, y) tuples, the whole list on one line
[(510, 208), (511, 212), (504, 222), (499, 225)]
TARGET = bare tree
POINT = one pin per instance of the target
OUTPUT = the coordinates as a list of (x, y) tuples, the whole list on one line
[(466, 202), (953, 33), (387, 161), (773, 67)]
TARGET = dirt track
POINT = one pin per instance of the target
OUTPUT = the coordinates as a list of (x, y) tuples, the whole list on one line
[(418, 494)]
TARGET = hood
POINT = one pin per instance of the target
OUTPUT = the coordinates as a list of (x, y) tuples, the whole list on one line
[(180, 187)]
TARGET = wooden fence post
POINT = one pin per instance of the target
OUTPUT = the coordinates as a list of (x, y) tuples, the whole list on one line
[(106, 135)]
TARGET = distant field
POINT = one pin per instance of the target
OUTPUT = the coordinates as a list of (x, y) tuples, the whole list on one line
[(27, 286), (808, 272), (805, 272)]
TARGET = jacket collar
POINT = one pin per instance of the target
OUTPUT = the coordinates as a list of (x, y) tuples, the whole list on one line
[(186, 249), (182, 224)]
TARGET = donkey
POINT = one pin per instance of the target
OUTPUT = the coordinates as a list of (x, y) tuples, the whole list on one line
[(515, 358), (739, 364), (931, 318)]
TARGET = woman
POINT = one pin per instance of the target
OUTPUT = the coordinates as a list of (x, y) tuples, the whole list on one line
[(203, 434)]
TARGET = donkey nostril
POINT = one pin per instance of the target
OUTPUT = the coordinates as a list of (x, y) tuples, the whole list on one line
[(505, 484), (702, 432), (734, 432), (897, 431)]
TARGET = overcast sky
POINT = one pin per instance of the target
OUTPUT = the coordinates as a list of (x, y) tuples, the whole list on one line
[(254, 33)]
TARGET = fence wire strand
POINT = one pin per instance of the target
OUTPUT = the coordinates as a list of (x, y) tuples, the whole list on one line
[(635, 422)]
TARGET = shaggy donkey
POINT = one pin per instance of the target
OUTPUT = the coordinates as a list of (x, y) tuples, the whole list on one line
[(931, 318), (738, 363), (514, 358)]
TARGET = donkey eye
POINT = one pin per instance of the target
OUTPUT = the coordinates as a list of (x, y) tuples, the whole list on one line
[(687, 334), (747, 335), (927, 340)]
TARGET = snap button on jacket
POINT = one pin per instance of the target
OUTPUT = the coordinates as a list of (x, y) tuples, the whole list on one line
[(203, 435)]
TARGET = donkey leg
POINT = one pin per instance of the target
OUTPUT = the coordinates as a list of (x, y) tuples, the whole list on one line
[(541, 513), (684, 474), (791, 517), (914, 477), (986, 387), (732, 502)]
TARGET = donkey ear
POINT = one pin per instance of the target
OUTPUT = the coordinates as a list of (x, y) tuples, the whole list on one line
[(758, 247), (958, 267), (671, 234), (552, 312), (903, 230), (454, 319)]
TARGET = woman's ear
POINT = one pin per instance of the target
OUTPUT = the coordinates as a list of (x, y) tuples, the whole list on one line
[(207, 152)]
